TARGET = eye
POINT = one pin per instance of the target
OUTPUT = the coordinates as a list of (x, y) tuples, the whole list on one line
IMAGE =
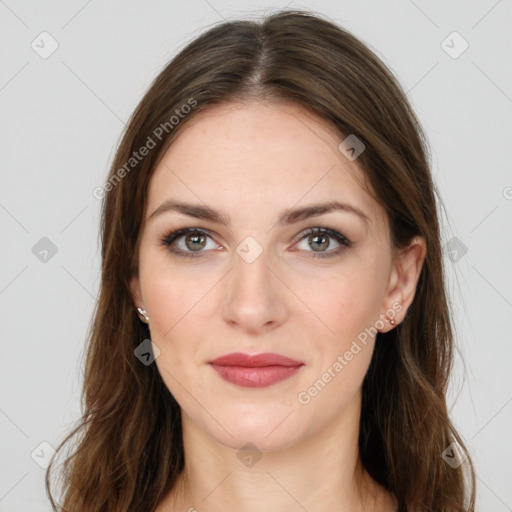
[(318, 239), (194, 240)]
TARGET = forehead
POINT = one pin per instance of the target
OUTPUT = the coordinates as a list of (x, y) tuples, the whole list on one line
[(258, 157)]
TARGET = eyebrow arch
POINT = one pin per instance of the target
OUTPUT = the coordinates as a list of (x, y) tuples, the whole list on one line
[(290, 216)]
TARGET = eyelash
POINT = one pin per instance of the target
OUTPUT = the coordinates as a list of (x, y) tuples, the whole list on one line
[(170, 237)]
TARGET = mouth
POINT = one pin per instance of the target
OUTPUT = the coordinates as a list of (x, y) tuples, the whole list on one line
[(255, 371)]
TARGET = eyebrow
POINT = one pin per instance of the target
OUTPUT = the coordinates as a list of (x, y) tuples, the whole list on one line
[(290, 216)]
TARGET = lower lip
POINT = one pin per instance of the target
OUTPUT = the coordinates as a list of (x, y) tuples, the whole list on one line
[(256, 377)]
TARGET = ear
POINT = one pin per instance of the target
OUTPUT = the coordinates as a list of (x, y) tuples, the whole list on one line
[(403, 280)]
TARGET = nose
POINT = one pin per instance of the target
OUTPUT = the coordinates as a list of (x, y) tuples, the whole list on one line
[(255, 300)]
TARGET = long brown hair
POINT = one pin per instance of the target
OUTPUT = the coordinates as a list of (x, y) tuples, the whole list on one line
[(129, 448)]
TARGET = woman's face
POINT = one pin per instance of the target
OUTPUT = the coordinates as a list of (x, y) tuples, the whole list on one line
[(265, 281)]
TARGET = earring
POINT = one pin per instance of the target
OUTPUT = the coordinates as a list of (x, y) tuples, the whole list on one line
[(143, 313), (392, 321)]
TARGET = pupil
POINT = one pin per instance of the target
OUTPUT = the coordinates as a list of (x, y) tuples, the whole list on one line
[(319, 237), (195, 238)]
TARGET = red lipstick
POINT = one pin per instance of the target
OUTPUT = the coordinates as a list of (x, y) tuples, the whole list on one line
[(255, 371)]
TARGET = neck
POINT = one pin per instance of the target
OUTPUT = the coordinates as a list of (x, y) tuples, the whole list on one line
[(322, 472)]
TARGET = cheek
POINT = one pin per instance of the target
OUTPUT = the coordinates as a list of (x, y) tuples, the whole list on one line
[(348, 306), (343, 352), (174, 306), (172, 296), (170, 304), (167, 301), (180, 303), (346, 302)]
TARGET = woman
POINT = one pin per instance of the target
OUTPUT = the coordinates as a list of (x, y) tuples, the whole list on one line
[(272, 331)]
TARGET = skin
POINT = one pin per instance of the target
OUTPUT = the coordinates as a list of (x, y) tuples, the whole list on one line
[(252, 160)]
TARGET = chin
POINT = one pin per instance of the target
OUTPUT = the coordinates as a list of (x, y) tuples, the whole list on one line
[(254, 440), (267, 432)]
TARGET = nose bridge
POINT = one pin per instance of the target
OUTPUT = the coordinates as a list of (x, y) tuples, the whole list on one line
[(251, 273), (252, 299)]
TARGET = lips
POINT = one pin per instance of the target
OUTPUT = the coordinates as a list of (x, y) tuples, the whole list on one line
[(255, 371), (255, 361)]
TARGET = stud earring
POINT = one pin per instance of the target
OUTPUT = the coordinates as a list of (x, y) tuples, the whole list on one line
[(392, 321), (143, 313)]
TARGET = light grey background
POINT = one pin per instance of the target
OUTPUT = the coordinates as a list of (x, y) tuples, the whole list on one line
[(62, 116)]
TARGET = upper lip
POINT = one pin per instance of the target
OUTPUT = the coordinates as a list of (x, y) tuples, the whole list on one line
[(256, 360)]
